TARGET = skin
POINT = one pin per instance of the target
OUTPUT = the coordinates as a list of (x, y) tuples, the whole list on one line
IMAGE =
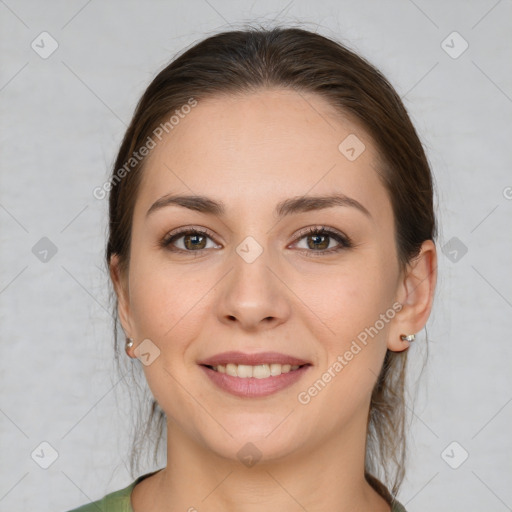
[(252, 151)]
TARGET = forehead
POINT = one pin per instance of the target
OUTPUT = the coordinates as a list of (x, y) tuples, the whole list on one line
[(257, 148)]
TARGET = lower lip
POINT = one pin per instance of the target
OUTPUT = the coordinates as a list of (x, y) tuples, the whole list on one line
[(251, 387)]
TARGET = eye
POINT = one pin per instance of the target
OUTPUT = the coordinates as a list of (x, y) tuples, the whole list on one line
[(318, 240), (194, 240)]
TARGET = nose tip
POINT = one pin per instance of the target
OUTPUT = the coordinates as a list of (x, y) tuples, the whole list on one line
[(252, 294)]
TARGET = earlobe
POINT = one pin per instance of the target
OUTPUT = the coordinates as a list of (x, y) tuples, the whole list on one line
[(416, 294)]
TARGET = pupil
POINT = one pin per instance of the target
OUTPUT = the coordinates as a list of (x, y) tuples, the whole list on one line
[(195, 243), (316, 238)]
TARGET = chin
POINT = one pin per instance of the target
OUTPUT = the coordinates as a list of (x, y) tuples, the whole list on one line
[(254, 442)]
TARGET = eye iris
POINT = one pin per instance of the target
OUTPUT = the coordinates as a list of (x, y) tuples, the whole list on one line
[(194, 245), (323, 245)]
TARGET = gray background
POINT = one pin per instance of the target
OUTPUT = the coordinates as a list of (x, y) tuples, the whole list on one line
[(62, 119)]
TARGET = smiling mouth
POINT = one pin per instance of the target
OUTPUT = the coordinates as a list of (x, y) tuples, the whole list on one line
[(260, 371)]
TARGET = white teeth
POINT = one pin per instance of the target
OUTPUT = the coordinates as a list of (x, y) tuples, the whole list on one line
[(230, 370), (260, 371), (275, 369), (243, 370)]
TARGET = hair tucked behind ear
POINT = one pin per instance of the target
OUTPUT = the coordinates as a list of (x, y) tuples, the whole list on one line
[(246, 60)]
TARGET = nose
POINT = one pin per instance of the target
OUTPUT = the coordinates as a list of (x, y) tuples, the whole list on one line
[(253, 294)]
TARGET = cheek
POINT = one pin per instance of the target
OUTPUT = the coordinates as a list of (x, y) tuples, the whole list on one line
[(165, 302), (152, 304), (353, 298), (354, 346), (356, 306)]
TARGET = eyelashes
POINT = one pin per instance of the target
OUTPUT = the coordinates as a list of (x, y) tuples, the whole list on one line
[(324, 233), (193, 237), (168, 240)]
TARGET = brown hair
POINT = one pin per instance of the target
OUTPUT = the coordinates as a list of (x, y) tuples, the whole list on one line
[(242, 61)]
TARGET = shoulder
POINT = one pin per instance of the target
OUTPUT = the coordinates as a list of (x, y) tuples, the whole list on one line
[(118, 501), (398, 507)]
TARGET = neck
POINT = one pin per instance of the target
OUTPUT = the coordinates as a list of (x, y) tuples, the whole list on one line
[(322, 477)]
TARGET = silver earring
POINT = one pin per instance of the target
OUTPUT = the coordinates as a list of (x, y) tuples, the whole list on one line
[(129, 344), (408, 337)]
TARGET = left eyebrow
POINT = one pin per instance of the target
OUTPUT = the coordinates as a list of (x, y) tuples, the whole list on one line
[(290, 206)]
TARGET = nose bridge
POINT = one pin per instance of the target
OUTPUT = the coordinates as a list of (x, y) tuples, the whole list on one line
[(252, 293), (252, 282)]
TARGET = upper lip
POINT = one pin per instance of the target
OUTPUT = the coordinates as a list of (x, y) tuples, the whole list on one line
[(252, 359)]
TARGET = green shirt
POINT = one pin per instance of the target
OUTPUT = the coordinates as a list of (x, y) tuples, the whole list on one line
[(119, 501)]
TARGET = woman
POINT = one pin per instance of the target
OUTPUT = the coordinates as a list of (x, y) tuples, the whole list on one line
[(272, 252)]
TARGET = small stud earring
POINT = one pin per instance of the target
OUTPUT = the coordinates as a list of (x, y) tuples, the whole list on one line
[(408, 337), (129, 344)]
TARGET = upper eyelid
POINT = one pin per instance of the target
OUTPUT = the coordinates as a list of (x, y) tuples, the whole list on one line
[(319, 227), (179, 232)]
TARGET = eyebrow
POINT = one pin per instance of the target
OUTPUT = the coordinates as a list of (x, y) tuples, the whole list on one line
[(290, 206)]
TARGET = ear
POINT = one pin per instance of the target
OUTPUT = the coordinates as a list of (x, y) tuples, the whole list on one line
[(120, 282), (415, 294)]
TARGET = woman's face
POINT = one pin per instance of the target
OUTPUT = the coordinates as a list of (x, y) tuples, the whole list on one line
[(257, 281)]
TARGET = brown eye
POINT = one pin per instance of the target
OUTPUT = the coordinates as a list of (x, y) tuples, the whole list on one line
[(193, 240), (319, 240)]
